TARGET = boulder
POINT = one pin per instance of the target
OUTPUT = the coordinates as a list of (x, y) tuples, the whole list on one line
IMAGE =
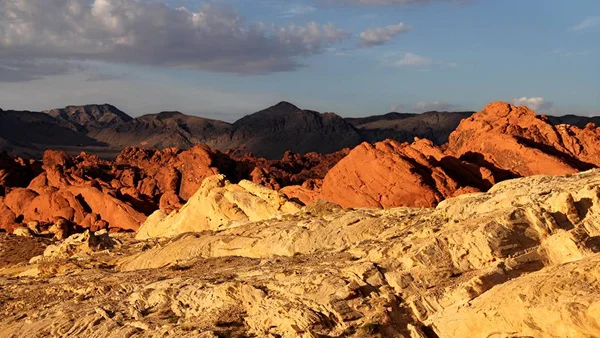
[(79, 244), (391, 174), (19, 200), (218, 204)]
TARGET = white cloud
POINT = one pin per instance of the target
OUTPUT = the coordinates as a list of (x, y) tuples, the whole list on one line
[(298, 10), (151, 33), (413, 60), (435, 106), (533, 103), (586, 23), (379, 36)]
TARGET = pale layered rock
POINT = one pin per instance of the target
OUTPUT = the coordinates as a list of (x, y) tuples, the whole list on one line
[(217, 205), (561, 301), (519, 260), (78, 244), (432, 259)]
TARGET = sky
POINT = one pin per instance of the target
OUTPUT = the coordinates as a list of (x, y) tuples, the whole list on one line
[(228, 58)]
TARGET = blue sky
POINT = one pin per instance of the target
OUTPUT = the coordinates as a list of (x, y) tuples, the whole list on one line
[(412, 55)]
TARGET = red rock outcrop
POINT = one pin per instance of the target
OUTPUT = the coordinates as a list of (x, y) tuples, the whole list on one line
[(501, 142), (516, 141), (75, 189), (173, 170), (95, 193), (391, 174), (308, 193), (292, 169)]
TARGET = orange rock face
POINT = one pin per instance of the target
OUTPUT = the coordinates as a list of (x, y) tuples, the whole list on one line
[(515, 140), (391, 174), (173, 170)]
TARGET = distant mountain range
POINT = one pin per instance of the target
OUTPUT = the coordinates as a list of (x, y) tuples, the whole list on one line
[(105, 130)]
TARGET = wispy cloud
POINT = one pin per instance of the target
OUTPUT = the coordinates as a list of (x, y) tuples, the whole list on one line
[(533, 103), (379, 36), (436, 106), (413, 60), (298, 10), (288, 9), (586, 23), (425, 106), (566, 53)]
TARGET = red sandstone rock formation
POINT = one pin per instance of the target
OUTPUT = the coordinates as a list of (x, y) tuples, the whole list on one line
[(95, 193), (292, 169), (391, 174), (516, 140), (173, 170)]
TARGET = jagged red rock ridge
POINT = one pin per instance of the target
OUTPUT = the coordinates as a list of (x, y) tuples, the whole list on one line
[(500, 142)]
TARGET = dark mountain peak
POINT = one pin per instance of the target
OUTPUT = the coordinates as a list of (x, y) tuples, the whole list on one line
[(281, 110), (284, 105), (92, 116)]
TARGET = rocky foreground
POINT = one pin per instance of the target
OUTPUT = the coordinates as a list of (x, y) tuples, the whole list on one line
[(240, 260)]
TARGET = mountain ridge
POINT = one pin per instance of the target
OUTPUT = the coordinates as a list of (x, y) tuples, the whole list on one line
[(105, 130)]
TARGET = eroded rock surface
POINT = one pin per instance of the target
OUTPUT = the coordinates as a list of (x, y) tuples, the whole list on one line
[(515, 139), (392, 174), (218, 205), (519, 260)]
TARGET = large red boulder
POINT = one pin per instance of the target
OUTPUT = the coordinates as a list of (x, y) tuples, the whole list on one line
[(391, 174), (19, 200), (8, 219)]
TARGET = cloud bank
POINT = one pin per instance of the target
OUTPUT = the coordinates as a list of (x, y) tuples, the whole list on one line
[(35, 35)]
